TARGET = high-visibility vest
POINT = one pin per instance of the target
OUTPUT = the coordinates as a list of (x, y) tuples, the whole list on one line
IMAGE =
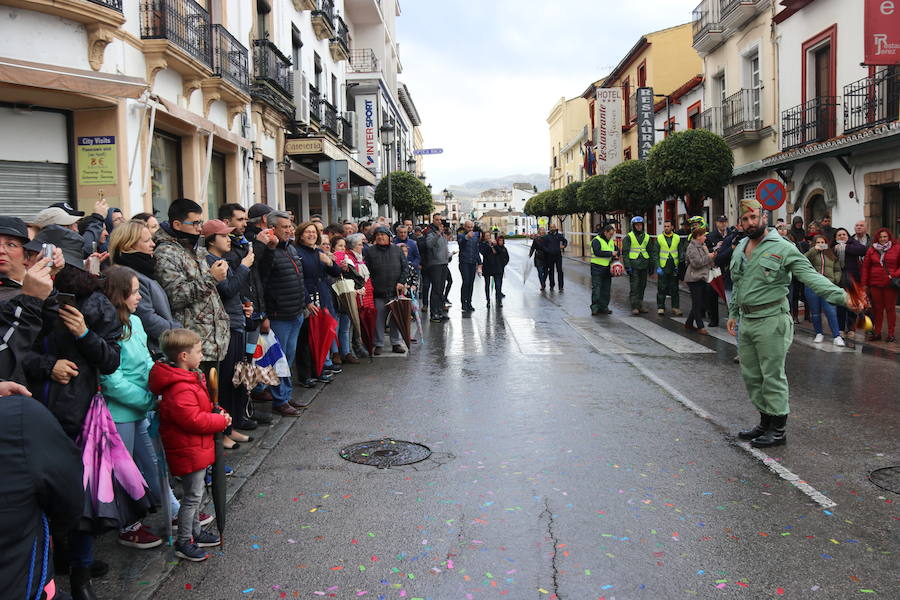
[(638, 249), (605, 246), (665, 251)]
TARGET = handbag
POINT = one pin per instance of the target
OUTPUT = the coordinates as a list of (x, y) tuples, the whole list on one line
[(894, 282), (713, 273), (343, 286)]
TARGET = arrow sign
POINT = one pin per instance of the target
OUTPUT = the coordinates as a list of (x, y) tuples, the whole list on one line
[(429, 151), (771, 193)]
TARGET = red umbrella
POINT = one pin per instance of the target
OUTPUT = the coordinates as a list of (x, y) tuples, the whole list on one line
[(322, 333), (718, 286), (367, 317)]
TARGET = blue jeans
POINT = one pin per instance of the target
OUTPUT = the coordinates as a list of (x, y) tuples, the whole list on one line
[(344, 329), (817, 306), (287, 333)]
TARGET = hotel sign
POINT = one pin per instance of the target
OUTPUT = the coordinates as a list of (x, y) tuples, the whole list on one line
[(608, 135), (646, 127), (882, 32)]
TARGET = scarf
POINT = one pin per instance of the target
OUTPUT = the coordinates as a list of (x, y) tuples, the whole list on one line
[(361, 267), (141, 262), (882, 250), (840, 248)]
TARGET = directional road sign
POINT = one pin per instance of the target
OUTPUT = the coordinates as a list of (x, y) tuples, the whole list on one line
[(771, 194), (429, 151)]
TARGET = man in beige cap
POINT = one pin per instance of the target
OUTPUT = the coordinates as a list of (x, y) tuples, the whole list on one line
[(761, 268), (55, 216)]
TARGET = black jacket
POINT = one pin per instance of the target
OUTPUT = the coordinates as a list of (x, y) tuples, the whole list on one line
[(94, 354), (387, 266), (93, 231), (41, 471), (493, 258), (240, 247), (553, 244), (21, 322), (315, 276), (230, 290), (283, 286)]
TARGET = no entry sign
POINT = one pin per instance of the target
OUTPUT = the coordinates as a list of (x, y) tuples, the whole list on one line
[(771, 194)]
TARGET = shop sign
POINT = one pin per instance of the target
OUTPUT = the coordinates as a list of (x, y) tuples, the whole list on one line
[(367, 128), (341, 175), (97, 160), (608, 137), (305, 146), (882, 32), (646, 125)]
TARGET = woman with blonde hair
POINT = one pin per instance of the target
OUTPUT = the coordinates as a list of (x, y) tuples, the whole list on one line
[(131, 245)]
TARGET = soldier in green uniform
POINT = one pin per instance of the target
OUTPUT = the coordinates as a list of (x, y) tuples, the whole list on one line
[(761, 268), (636, 260)]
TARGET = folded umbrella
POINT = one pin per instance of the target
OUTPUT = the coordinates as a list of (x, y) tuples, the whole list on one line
[(219, 481), (163, 475), (718, 286), (526, 270), (322, 333), (400, 311)]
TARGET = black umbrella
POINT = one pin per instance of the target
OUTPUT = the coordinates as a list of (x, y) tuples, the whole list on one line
[(219, 481)]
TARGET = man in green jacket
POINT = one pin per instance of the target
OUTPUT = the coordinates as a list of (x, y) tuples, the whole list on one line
[(762, 267), (636, 249)]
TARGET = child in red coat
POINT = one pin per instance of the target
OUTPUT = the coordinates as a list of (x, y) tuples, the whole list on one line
[(187, 425)]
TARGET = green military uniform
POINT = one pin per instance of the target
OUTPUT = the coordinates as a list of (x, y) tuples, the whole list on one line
[(636, 259), (759, 302), (667, 253), (602, 252)]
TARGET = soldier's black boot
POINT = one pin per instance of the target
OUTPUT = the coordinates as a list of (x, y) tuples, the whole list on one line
[(80, 581), (774, 436), (757, 431)]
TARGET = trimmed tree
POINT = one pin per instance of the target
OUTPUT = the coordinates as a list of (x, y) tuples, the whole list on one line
[(628, 190), (592, 195), (409, 195), (567, 203), (693, 164)]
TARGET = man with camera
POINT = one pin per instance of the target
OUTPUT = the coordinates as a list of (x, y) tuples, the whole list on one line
[(434, 264), (469, 262)]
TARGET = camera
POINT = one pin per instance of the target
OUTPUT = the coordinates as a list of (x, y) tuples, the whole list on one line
[(47, 251)]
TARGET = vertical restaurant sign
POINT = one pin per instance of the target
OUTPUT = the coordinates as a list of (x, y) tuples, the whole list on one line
[(367, 130), (97, 160), (882, 32), (646, 125), (608, 121)]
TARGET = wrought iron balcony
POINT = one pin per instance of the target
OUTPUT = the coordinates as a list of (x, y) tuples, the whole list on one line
[(230, 59), (708, 32), (742, 113), (340, 43), (347, 137), (329, 117), (182, 22), (272, 67), (113, 4), (872, 101), (735, 13), (363, 60), (711, 120), (808, 123), (315, 104), (323, 19)]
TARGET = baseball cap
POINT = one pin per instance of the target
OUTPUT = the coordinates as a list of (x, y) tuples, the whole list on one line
[(13, 227), (722, 219), (66, 240), (215, 227), (68, 208), (53, 216), (258, 210)]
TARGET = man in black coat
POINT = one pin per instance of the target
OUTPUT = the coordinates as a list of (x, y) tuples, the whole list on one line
[(387, 266), (554, 244)]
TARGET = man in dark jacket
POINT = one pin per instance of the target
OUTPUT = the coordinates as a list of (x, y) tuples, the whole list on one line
[(469, 262), (41, 471), (437, 258), (540, 260), (387, 267), (403, 237), (554, 244), (286, 298)]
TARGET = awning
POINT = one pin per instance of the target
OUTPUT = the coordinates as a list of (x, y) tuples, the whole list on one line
[(321, 148), (205, 124), (868, 140), (20, 72)]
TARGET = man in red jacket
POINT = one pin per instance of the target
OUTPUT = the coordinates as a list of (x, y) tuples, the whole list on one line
[(187, 425)]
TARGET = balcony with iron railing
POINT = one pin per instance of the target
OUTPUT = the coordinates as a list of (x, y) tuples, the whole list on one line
[(872, 101), (809, 123), (329, 117), (340, 43), (347, 137), (363, 60), (273, 79), (113, 4), (315, 104), (708, 32), (182, 24), (736, 13), (711, 120), (230, 59), (742, 117), (323, 19)]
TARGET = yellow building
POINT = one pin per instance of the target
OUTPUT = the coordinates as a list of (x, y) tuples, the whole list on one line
[(570, 127)]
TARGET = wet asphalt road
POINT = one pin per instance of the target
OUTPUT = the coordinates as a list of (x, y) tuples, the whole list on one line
[(573, 457)]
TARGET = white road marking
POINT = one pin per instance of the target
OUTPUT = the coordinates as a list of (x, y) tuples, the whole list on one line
[(720, 333), (669, 339), (532, 339), (777, 468), (601, 340), (463, 337)]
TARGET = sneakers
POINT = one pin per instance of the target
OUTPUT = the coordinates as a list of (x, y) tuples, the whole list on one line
[(204, 519), (190, 551), (635, 311), (141, 538), (819, 338), (207, 539), (660, 311), (334, 369), (839, 342), (677, 312), (325, 377)]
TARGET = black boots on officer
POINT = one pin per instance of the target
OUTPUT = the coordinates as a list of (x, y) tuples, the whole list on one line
[(770, 431)]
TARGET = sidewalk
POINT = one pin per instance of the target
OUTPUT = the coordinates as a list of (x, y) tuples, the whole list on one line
[(138, 574), (804, 326)]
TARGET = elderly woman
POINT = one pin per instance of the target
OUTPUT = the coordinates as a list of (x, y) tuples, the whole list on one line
[(699, 261), (356, 261)]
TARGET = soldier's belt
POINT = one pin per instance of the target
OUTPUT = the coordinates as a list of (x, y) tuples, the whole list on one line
[(749, 310)]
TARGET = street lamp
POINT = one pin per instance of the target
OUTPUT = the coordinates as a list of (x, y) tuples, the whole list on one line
[(411, 164), (448, 198), (387, 133)]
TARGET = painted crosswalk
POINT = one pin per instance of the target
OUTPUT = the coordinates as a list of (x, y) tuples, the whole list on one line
[(602, 340), (671, 340), (532, 337)]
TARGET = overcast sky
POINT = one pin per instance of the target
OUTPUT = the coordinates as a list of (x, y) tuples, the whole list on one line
[(484, 74)]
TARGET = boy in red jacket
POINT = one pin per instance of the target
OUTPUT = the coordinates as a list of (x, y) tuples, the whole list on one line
[(187, 425)]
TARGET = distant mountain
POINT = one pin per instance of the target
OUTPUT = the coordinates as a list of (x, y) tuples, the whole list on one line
[(474, 188)]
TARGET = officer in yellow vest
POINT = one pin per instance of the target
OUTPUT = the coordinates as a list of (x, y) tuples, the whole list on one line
[(603, 251), (667, 253), (636, 260)]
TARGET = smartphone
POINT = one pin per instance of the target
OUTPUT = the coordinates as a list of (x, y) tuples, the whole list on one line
[(47, 250), (65, 299)]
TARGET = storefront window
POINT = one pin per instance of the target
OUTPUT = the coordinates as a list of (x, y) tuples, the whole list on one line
[(215, 192), (165, 171)]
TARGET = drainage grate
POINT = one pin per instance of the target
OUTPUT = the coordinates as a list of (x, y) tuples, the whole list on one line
[(385, 453), (887, 478)]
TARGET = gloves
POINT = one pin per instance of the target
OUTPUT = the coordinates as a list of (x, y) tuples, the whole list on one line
[(659, 271), (628, 270)]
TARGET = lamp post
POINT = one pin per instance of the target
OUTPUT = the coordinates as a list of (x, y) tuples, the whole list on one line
[(448, 198), (411, 164), (387, 133)]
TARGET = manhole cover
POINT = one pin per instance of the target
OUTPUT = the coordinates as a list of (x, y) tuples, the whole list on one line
[(887, 479), (385, 453)]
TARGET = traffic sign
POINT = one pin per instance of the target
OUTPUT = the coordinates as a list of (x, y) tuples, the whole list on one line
[(771, 193), (429, 151)]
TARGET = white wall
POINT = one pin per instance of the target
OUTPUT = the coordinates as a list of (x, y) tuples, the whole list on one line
[(33, 136)]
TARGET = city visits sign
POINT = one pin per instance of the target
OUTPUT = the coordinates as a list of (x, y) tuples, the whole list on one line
[(608, 133), (97, 160), (646, 127), (882, 32)]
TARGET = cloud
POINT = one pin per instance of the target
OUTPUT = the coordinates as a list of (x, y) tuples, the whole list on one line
[(485, 75)]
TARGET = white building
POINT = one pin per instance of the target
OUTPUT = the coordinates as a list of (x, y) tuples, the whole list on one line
[(494, 199)]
